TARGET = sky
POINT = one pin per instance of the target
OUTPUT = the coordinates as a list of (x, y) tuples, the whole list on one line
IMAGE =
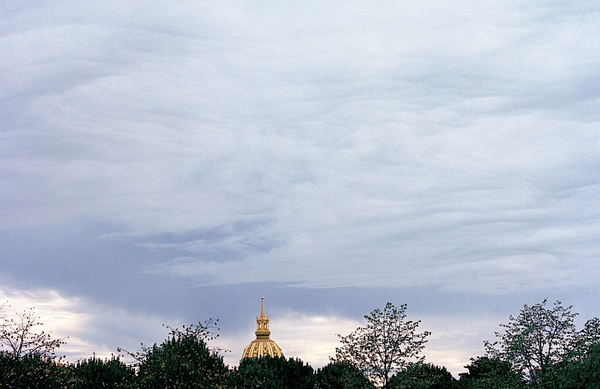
[(171, 162)]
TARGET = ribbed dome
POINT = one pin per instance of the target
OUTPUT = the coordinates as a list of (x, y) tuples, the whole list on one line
[(262, 346)]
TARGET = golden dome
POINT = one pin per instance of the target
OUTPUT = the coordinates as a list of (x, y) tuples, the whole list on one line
[(262, 346)]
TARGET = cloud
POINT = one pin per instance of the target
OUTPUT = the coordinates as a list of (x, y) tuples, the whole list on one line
[(313, 338), (455, 339), (151, 153), (87, 329)]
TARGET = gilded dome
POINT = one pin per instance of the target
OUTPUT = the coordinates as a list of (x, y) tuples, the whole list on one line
[(262, 346)]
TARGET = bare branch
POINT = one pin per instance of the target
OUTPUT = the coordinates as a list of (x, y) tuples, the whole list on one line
[(19, 338)]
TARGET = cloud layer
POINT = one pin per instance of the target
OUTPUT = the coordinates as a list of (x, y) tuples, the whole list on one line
[(151, 151)]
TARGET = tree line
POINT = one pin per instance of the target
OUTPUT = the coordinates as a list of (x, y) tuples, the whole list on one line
[(539, 348)]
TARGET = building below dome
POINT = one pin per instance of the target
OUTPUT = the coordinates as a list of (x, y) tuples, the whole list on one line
[(262, 346)]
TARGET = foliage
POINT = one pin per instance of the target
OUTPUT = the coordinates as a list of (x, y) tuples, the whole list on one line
[(19, 339), (385, 345), (490, 373), (589, 336), (540, 348), (585, 372), (33, 371), (580, 373), (341, 375), (101, 373), (183, 360), (422, 376), (536, 340), (272, 373)]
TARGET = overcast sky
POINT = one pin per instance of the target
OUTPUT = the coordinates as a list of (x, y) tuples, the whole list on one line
[(169, 162)]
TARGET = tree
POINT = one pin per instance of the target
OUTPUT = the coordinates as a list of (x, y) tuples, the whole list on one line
[(272, 373), (102, 373), (581, 369), (183, 360), (583, 373), (423, 376), (536, 340), (589, 336), (342, 375), (490, 373), (385, 345), (19, 339), (33, 371), (27, 356)]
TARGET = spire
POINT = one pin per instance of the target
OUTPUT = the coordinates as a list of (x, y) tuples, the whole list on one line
[(262, 322)]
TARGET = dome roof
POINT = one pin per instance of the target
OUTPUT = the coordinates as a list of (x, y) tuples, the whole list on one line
[(259, 348), (262, 346)]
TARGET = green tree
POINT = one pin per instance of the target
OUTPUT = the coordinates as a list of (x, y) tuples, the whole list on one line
[(423, 376), (490, 373), (583, 373), (385, 345), (183, 360), (33, 371), (342, 375), (581, 370), (27, 355), (589, 336), (102, 373), (272, 373), (536, 340)]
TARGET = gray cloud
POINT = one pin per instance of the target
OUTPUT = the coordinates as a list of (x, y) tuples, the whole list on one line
[(166, 150)]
